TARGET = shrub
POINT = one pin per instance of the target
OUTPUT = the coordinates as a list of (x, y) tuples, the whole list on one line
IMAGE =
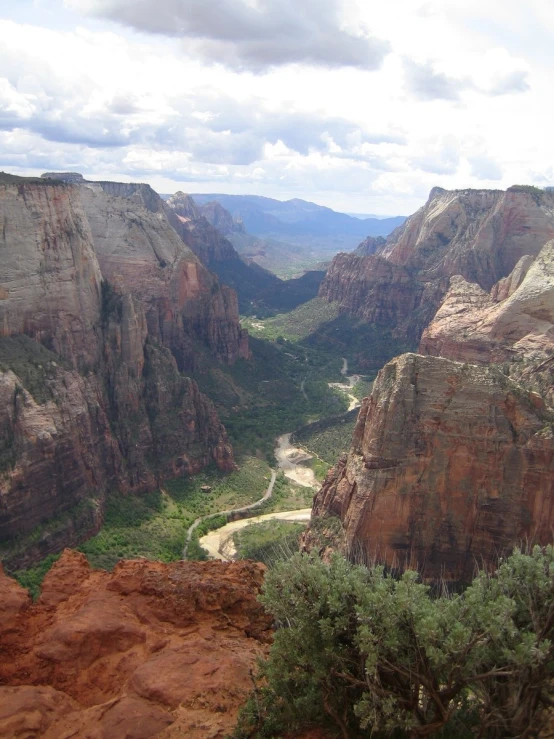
[(364, 650)]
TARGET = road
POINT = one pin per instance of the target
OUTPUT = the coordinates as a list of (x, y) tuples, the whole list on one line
[(352, 381)]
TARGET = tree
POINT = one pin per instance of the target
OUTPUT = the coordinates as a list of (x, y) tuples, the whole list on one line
[(369, 651)]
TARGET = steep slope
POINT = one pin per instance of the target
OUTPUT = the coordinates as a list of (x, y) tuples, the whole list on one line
[(450, 465), (221, 219), (50, 279), (516, 321), (91, 399), (150, 650), (478, 234), (141, 253)]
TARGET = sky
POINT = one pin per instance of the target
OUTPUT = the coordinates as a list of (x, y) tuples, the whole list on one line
[(357, 105)]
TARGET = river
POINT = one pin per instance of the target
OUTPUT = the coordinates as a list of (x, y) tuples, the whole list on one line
[(219, 542)]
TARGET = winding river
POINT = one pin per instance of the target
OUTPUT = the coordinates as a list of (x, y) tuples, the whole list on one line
[(219, 542)]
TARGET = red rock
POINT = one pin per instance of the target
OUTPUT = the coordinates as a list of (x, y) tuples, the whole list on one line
[(451, 465), (149, 649)]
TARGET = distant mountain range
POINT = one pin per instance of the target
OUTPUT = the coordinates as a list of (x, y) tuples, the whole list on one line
[(297, 220)]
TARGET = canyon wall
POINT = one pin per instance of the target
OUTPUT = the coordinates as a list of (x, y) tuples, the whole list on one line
[(101, 305), (451, 465), (478, 234)]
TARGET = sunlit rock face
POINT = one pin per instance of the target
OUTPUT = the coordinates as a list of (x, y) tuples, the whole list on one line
[(451, 465), (480, 235)]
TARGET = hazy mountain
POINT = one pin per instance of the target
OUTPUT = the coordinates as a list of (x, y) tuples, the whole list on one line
[(295, 218)]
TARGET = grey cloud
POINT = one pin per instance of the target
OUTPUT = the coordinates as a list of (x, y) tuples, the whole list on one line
[(241, 35), (515, 81), (443, 160), (423, 82)]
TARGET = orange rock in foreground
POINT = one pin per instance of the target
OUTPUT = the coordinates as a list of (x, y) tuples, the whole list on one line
[(150, 650)]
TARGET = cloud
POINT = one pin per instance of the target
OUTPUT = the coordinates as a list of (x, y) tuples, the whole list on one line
[(246, 35), (442, 156), (485, 168), (424, 83)]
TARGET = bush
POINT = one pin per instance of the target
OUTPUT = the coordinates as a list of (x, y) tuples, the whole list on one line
[(365, 651)]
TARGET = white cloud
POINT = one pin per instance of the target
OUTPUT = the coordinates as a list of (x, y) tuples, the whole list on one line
[(460, 100)]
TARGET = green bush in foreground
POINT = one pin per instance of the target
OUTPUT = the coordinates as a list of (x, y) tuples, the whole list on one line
[(373, 654)]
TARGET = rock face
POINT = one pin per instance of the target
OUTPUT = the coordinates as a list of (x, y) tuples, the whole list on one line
[(221, 219), (50, 278), (371, 288), (478, 234), (451, 464), (516, 321), (141, 254), (101, 304), (370, 246), (148, 650)]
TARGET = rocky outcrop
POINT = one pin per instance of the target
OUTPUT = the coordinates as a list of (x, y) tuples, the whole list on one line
[(478, 234), (514, 322), (221, 219), (95, 321), (451, 465), (369, 246), (140, 253), (371, 288), (148, 650)]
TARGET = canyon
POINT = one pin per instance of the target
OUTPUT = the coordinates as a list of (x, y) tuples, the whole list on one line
[(452, 457), (102, 308), (477, 234)]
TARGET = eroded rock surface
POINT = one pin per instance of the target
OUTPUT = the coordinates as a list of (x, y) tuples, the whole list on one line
[(478, 234), (101, 305), (516, 321), (148, 650), (451, 465)]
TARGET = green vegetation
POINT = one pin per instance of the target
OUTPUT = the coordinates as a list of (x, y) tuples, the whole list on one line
[(268, 541), (368, 653), (13, 179), (297, 324), (328, 438), (282, 387), (154, 525), (367, 345), (32, 578), (362, 388), (288, 496)]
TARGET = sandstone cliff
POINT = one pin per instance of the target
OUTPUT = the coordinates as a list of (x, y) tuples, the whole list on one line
[(94, 324), (49, 275), (140, 253), (451, 465), (221, 219), (516, 321), (148, 650), (478, 234)]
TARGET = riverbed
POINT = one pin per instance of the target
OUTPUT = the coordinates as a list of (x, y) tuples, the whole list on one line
[(219, 543)]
